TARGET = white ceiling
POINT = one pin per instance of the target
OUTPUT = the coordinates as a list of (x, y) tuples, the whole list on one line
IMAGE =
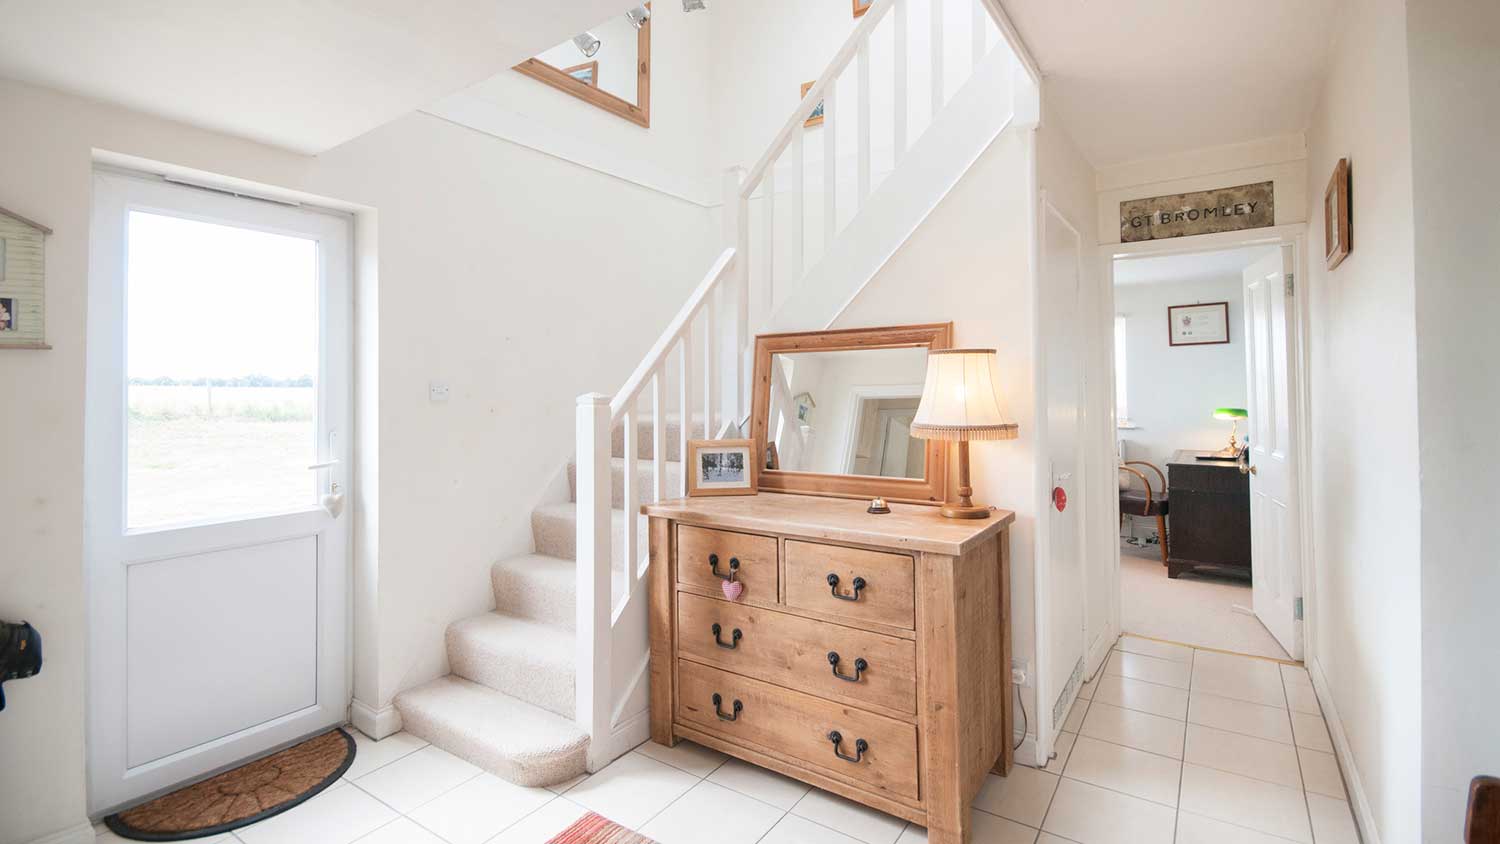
[(1199, 266), (1147, 78), (302, 74)]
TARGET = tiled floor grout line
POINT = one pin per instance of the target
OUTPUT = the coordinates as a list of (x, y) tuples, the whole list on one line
[(1312, 831)]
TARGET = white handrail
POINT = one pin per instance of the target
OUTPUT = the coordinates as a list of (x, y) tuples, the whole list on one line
[(663, 345), (816, 94)]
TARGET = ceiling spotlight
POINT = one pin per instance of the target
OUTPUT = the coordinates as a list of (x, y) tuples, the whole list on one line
[(587, 44), (638, 16), (693, 5)]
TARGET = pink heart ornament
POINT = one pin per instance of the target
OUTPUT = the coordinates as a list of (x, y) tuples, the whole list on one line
[(732, 589)]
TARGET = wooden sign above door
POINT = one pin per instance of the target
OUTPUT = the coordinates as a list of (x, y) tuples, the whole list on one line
[(1200, 212)]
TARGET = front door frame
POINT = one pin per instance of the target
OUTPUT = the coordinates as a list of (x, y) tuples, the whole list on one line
[(1294, 236)]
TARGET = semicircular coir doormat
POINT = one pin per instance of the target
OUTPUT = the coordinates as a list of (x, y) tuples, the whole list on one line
[(252, 792)]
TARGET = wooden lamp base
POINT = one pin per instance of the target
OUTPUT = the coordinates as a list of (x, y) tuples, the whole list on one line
[(964, 508)]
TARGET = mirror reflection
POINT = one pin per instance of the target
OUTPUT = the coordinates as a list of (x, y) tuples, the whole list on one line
[(847, 412), (604, 58)]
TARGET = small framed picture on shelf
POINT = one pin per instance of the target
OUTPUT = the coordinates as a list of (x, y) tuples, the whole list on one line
[(773, 457), (1336, 228), (722, 467), (1198, 325)]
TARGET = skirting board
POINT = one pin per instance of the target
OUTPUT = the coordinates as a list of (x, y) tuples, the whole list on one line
[(83, 833), (627, 735), (1362, 814), (375, 723), (1026, 753)]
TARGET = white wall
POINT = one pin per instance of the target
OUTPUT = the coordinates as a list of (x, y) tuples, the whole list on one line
[(1365, 626), (968, 261), (1453, 49), (474, 295), (1173, 390)]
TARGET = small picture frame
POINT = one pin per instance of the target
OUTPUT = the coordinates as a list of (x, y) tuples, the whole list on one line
[(722, 467), (1336, 228), (7, 314), (816, 119), (773, 456), (861, 6), (1198, 325)]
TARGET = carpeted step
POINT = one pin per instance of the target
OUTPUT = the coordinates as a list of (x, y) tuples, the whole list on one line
[(510, 738), (555, 526), (643, 437), (537, 587), (528, 660), (645, 479)]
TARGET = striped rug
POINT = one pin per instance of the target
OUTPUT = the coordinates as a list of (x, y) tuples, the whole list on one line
[(595, 829)]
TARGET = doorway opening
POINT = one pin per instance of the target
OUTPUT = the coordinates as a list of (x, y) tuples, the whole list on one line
[(1205, 404)]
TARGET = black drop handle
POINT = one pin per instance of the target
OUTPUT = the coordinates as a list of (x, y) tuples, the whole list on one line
[(859, 583), (860, 746), (860, 667), (719, 708), (734, 567), (734, 638)]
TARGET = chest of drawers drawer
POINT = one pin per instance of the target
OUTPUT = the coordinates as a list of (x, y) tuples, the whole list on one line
[(707, 559), (828, 660), (860, 585), (845, 741)]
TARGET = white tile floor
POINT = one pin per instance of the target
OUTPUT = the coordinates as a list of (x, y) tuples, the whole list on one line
[(1167, 745)]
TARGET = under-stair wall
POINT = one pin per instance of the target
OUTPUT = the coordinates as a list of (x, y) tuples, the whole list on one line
[(969, 92)]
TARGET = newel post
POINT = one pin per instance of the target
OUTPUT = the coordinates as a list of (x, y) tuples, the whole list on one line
[(593, 692)]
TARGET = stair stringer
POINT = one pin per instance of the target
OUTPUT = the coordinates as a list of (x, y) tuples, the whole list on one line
[(630, 670), (967, 125)]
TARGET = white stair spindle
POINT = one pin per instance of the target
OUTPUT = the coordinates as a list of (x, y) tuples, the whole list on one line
[(632, 504), (768, 244), (862, 132), (902, 78), (742, 290), (799, 213), (938, 91), (658, 437), (685, 400), (830, 169), (710, 340)]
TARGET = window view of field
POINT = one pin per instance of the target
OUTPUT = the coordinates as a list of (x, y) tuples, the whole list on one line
[(208, 305)]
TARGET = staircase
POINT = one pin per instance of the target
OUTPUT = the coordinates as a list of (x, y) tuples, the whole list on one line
[(508, 705), (555, 681)]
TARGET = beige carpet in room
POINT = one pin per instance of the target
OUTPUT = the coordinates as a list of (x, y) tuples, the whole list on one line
[(1194, 609)]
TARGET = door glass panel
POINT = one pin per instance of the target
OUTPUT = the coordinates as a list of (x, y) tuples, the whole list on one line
[(221, 361)]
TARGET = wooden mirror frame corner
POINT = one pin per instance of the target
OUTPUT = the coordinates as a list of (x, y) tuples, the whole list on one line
[(931, 489), (638, 112)]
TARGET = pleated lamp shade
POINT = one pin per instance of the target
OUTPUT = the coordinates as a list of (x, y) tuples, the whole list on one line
[(960, 401)]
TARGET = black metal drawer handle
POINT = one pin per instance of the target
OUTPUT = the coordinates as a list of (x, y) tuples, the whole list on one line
[(860, 746), (860, 666), (734, 638), (719, 709), (833, 586), (734, 567)]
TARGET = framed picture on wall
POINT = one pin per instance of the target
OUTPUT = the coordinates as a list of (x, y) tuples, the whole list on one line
[(861, 6), (816, 118), (587, 73), (1198, 325), (1336, 228)]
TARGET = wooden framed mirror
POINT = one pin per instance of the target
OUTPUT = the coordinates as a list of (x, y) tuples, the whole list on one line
[(832, 412), (616, 78)]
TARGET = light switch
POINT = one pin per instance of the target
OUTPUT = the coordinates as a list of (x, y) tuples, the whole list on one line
[(437, 392)]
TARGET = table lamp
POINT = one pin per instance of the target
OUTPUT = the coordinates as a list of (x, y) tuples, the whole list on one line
[(960, 403), (1235, 413)]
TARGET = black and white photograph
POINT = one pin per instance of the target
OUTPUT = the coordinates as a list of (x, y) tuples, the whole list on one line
[(721, 467), (7, 314)]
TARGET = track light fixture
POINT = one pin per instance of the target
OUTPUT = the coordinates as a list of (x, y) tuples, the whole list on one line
[(693, 5), (587, 44), (638, 16)]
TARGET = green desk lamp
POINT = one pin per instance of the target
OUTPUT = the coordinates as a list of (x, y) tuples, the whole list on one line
[(1235, 414)]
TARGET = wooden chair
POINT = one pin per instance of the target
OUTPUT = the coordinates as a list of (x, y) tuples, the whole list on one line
[(1482, 826), (1153, 503)]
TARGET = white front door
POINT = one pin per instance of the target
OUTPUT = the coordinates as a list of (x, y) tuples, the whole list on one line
[(1275, 545), (217, 434)]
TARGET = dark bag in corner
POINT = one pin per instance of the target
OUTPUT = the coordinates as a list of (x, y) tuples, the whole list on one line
[(20, 653)]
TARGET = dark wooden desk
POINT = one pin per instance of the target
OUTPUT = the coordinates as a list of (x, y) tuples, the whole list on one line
[(1209, 503)]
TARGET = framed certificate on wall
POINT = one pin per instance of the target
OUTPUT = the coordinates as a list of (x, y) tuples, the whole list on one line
[(1198, 325)]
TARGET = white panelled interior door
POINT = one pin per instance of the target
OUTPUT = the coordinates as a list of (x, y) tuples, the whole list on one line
[(1275, 544), (218, 425)]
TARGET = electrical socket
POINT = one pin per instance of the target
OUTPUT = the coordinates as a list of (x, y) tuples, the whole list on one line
[(1020, 672)]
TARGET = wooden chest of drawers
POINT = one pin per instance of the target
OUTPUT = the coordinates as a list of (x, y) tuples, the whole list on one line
[(867, 655)]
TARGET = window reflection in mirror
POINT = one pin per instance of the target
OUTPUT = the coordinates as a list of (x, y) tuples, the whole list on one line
[(850, 412), (615, 77)]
